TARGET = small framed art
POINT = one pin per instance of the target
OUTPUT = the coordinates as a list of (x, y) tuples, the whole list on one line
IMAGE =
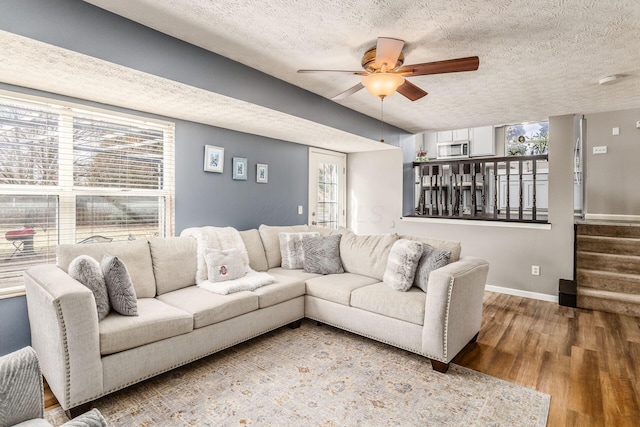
[(213, 159), (262, 173), (240, 168)]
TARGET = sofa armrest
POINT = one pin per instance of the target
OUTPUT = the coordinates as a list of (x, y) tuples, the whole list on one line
[(453, 312), (93, 418), (65, 334)]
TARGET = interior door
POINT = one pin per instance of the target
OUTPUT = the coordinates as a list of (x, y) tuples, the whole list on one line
[(327, 188)]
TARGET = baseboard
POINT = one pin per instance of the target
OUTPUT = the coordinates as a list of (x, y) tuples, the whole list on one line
[(612, 217), (521, 293)]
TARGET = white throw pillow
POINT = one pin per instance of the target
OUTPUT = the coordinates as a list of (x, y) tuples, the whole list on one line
[(224, 265), (402, 264), (291, 248)]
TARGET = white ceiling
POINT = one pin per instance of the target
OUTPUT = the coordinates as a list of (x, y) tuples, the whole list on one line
[(537, 58)]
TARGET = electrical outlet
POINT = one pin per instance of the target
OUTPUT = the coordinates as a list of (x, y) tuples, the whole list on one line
[(300, 211), (615, 131), (600, 150), (535, 270)]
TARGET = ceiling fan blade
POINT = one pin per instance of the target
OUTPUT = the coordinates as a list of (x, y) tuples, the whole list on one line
[(387, 52), (470, 63), (359, 73), (348, 92), (411, 91)]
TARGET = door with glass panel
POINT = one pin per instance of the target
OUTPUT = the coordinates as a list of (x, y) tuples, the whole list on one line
[(327, 188)]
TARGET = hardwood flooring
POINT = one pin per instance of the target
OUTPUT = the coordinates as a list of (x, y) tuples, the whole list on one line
[(588, 361)]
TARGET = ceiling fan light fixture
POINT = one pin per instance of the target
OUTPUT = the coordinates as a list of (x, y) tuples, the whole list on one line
[(382, 84)]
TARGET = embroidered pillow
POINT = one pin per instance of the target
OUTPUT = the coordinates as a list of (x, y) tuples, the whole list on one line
[(430, 260), (291, 248), (322, 255), (122, 295), (87, 271), (224, 265), (402, 263)]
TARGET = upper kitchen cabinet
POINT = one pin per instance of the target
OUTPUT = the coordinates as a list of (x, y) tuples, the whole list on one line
[(482, 141), (461, 134), (444, 136)]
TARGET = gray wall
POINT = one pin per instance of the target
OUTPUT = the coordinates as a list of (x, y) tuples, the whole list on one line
[(612, 178), (15, 332), (378, 178), (201, 198)]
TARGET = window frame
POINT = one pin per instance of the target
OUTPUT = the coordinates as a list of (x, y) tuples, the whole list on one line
[(65, 190)]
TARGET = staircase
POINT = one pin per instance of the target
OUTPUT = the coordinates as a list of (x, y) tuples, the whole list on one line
[(608, 267)]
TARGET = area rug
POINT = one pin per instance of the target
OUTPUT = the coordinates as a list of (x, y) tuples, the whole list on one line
[(320, 376)]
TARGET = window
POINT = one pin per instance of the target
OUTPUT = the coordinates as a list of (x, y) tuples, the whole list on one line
[(69, 174), (527, 139)]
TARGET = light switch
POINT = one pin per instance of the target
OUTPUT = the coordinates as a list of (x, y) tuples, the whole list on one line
[(615, 131)]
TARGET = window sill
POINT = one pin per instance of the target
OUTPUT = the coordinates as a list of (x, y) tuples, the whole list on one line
[(477, 222), (15, 291)]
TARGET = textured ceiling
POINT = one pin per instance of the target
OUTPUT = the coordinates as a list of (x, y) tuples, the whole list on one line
[(53, 69), (537, 58)]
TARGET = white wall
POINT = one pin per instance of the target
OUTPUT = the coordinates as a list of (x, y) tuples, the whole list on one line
[(375, 191)]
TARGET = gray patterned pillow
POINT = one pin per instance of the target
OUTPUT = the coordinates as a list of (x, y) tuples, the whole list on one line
[(291, 248), (402, 263), (322, 255), (122, 295), (431, 259), (224, 265), (87, 271)]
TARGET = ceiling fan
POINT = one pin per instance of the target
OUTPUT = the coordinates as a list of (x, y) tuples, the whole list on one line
[(385, 74)]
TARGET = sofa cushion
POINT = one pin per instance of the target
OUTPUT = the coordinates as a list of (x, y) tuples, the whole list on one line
[(174, 262), (322, 255), (445, 245), (286, 288), (156, 321), (271, 241), (135, 254), (291, 248), (381, 299), (402, 263), (337, 287), (366, 255), (299, 274), (87, 271), (208, 308), (122, 296), (431, 259), (255, 249)]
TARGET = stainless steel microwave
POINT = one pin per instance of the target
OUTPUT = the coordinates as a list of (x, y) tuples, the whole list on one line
[(453, 150)]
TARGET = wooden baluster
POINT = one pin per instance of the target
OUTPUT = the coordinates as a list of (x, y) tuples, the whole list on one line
[(495, 190), (473, 189), (533, 206), (508, 208), (520, 166), (450, 204)]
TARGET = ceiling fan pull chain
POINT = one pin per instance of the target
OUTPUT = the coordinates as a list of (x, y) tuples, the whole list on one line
[(382, 119)]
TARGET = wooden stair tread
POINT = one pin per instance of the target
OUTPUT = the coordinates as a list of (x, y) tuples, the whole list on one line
[(615, 296)]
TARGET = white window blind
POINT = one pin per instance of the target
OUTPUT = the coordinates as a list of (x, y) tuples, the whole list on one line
[(69, 174)]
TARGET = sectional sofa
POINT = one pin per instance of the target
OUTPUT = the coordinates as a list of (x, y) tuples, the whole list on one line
[(83, 359)]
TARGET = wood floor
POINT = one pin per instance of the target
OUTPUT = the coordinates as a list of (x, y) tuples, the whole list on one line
[(588, 361)]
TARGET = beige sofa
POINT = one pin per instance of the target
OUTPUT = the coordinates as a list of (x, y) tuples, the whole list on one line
[(84, 359)]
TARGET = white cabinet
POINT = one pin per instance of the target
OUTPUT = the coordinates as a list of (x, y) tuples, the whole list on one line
[(461, 134), (445, 136), (482, 141), (542, 192)]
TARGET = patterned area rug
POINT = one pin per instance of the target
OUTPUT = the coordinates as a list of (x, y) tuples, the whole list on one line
[(320, 376)]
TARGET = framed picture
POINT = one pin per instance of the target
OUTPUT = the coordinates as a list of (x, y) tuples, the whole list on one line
[(240, 168), (262, 173), (213, 159)]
